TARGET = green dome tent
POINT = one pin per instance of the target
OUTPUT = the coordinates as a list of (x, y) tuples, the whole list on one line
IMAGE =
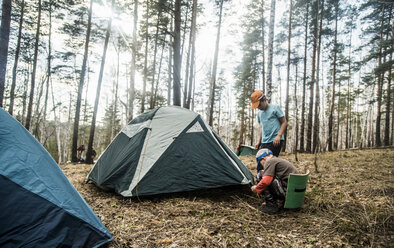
[(244, 150), (168, 149)]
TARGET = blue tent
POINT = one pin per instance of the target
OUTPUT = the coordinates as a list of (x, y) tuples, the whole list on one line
[(39, 207)]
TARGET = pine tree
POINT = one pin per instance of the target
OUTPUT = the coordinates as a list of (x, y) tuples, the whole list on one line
[(4, 38), (16, 59), (74, 157), (89, 153)]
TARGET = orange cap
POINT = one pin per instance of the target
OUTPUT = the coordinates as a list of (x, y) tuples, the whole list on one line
[(256, 97)]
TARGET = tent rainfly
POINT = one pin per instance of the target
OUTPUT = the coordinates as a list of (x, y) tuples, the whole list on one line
[(168, 149), (39, 207)]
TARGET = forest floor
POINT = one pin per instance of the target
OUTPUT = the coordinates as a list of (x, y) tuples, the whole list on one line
[(349, 203)]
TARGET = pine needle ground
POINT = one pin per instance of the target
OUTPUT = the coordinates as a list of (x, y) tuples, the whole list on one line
[(349, 203)]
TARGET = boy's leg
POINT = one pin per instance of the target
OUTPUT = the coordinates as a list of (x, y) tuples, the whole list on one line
[(270, 207), (273, 193), (277, 190)]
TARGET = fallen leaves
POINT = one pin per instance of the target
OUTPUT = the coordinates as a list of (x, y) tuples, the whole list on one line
[(349, 203)]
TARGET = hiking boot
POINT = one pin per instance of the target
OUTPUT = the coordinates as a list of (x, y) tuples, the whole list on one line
[(269, 208)]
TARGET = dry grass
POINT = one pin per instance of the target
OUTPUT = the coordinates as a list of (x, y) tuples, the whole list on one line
[(348, 204)]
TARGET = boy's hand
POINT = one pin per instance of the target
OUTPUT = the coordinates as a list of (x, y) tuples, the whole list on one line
[(276, 141), (253, 188), (257, 146)]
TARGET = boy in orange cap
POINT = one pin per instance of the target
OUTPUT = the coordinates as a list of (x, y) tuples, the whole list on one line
[(273, 123)]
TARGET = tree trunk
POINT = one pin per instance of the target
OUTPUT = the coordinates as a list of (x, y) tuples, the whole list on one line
[(133, 64), (189, 47), (296, 114), (33, 75), (115, 104), (57, 128), (4, 39), (312, 82), (214, 68), (288, 73), (184, 28), (334, 73), (158, 75), (85, 115), (74, 157), (170, 67), (388, 93), (263, 45), (380, 83), (37, 112), (24, 96), (270, 50), (194, 90), (392, 122), (16, 60), (192, 57), (348, 112), (242, 129), (177, 56), (48, 65), (337, 143), (302, 138), (187, 69), (145, 58), (316, 127), (152, 101), (89, 158), (67, 131)]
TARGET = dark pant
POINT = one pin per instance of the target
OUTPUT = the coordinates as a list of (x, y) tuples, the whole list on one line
[(275, 191), (274, 149)]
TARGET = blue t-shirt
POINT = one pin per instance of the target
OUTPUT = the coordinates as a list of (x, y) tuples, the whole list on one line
[(270, 124)]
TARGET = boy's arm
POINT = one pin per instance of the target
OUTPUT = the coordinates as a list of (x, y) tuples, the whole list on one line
[(283, 125), (257, 146), (262, 185)]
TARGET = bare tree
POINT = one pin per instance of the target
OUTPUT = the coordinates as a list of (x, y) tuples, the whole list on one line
[(316, 126), (152, 96), (4, 38), (89, 153), (270, 49), (288, 72), (145, 58), (193, 42), (74, 157), (16, 59), (302, 136), (263, 45), (296, 112), (177, 56), (133, 63), (334, 71), (49, 60), (214, 68), (380, 82), (33, 75), (312, 82), (388, 94)]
